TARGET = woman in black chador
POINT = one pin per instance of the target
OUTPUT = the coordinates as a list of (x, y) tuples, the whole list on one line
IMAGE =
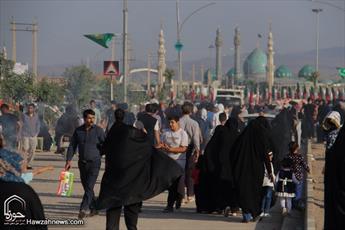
[(216, 174), (281, 134), (250, 154), (134, 172), (335, 175)]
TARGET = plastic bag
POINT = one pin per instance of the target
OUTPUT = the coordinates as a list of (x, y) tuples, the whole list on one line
[(66, 179)]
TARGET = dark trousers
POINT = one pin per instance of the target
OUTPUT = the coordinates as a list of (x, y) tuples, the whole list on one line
[(57, 140), (188, 170), (11, 142), (88, 174), (131, 213), (174, 196)]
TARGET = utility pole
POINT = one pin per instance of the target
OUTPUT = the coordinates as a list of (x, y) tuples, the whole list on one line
[(193, 76), (34, 30), (111, 76), (113, 57), (317, 11), (149, 72), (316, 74), (14, 41), (124, 52), (179, 48), (34, 48), (179, 45), (202, 70)]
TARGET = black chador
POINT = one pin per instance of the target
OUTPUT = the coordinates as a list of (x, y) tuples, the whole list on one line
[(249, 157), (335, 184), (281, 134), (216, 181), (134, 170)]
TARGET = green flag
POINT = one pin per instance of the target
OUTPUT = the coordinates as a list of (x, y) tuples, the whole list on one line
[(341, 72), (101, 39)]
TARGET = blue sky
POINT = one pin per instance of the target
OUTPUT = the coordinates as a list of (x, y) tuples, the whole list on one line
[(63, 22)]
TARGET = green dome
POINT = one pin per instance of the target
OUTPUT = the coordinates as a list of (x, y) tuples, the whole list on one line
[(283, 71), (255, 64), (231, 73), (212, 73), (306, 71)]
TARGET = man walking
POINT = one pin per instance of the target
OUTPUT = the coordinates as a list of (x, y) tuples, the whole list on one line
[(97, 112), (194, 138), (10, 127), (88, 138), (31, 128), (110, 115), (150, 123)]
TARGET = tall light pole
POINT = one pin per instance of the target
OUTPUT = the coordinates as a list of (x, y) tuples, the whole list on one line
[(317, 11), (124, 51), (179, 45), (337, 7)]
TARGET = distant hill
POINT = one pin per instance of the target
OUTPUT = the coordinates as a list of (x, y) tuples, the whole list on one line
[(329, 59)]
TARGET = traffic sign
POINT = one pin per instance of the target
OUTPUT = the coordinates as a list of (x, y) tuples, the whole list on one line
[(341, 72), (111, 68)]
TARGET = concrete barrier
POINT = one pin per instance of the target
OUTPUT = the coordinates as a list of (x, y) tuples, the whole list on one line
[(309, 219)]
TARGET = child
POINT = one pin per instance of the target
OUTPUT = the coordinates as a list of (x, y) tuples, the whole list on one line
[(285, 183), (174, 144), (28, 176), (267, 186), (299, 165)]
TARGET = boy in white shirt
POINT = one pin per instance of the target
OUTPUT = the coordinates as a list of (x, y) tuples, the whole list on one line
[(174, 143)]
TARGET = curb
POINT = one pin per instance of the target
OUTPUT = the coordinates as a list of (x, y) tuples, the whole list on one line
[(309, 218)]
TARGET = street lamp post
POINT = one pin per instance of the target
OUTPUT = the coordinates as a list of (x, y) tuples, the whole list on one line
[(124, 52), (179, 45), (317, 11), (337, 7)]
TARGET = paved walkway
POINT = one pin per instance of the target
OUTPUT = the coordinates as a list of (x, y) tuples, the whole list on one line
[(318, 151), (152, 217)]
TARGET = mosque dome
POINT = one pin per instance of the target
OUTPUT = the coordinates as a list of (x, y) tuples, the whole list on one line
[(212, 73), (231, 73), (282, 72), (254, 67), (306, 71)]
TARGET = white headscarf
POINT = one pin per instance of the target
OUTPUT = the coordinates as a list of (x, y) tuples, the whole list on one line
[(220, 108), (332, 117), (204, 114)]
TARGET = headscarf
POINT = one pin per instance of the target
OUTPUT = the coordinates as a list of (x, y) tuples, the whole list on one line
[(10, 166), (332, 117), (204, 114), (220, 108)]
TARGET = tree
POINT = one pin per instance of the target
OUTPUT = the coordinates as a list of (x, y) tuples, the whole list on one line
[(14, 86), (169, 75), (101, 90), (314, 78), (80, 81), (49, 93)]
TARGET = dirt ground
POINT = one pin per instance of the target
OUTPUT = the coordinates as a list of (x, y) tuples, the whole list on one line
[(317, 167)]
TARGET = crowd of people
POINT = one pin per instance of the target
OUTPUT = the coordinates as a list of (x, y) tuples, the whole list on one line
[(212, 154)]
